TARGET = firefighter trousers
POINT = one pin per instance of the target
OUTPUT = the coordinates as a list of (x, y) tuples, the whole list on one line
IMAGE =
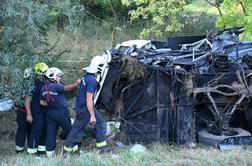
[(81, 121), (38, 133), (23, 131), (56, 119)]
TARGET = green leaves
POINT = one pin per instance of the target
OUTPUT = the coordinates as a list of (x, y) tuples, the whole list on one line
[(67, 13), (161, 14), (166, 17), (21, 37), (237, 13)]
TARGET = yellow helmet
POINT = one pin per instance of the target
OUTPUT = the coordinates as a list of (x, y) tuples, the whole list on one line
[(40, 68)]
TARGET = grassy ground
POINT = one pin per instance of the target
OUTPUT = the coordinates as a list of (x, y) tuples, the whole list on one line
[(155, 155)]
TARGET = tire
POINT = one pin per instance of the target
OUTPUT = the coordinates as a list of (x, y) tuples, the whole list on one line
[(207, 138)]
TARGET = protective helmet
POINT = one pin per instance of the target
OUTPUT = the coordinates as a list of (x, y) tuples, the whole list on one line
[(40, 68), (96, 65), (27, 72), (53, 72)]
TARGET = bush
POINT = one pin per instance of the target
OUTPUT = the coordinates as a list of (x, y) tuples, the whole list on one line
[(196, 22)]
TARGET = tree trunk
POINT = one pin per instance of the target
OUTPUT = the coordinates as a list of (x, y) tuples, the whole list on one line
[(116, 22), (60, 22)]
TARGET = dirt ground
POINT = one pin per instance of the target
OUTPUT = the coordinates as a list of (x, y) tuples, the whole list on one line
[(8, 128)]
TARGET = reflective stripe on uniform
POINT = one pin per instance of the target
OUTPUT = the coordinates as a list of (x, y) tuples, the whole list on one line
[(75, 148), (41, 148), (71, 149), (32, 151), (72, 121), (19, 148), (101, 144), (67, 148), (50, 153)]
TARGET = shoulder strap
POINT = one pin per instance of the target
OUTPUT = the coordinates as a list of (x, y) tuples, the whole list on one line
[(49, 97), (83, 81)]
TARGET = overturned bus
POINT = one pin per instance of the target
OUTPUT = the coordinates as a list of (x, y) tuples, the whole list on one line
[(184, 90)]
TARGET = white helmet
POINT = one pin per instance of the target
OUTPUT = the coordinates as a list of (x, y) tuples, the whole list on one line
[(96, 65), (27, 72), (53, 72)]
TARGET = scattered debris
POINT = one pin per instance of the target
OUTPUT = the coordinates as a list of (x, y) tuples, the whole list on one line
[(112, 129), (137, 148), (6, 104), (120, 145), (235, 143)]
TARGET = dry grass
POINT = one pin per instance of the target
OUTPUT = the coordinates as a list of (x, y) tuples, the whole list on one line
[(92, 39), (155, 155)]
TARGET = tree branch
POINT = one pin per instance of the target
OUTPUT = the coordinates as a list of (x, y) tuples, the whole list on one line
[(211, 3), (54, 45), (55, 57), (217, 5), (243, 7)]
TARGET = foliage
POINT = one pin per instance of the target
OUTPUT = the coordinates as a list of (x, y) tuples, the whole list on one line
[(237, 13), (216, 3), (22, 42), (69, 12), (108, 3), (196, 22), (162, 15), (102, 8), (117, 9), (23, 39)]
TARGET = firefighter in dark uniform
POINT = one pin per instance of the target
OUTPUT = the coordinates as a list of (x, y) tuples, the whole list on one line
[(86, 112), (52, 96), (24, 120), (38, 129)]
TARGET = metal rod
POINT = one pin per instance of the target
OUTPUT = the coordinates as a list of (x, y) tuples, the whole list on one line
[(138, 97)]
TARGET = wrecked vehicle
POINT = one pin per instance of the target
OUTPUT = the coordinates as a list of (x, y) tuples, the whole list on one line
[(184, 90)]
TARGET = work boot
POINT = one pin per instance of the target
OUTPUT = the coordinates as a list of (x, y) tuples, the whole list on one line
[(19, 149), (50, 154), (41, 150), (32, 152)]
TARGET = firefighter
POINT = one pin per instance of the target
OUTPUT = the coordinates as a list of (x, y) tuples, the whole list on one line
[(36, 142), (24, 120), (86, 112), (52, 96)]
